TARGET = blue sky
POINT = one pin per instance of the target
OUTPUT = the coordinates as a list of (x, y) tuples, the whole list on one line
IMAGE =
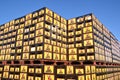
[(107, 11)]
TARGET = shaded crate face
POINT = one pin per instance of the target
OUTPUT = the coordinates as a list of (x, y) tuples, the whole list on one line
[(49, 77), (48, 69)]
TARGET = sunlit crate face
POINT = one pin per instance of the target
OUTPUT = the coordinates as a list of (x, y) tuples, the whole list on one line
[(38, 78), (56, 16), (60, 79), (63, 21), (24, 69), (11, 76), (60, 71), (48, 34), (90, 58), (32, 56), (88, 36), (39, 56), (63, 57), (90, 50), (56, 56), (47, 55), (49, 77), (63, 50), (39, 25), (6, 68), (72, 27), (88, 43), (72, 57), (48, 69), (48, 19), (1, 68), (18, 43), (57, 23), (87, 29), (87, 24), (29, 16), (72, 21), (5, 74), (7, 57), (25, 56), (40, 19), (70, 33), (41, 12), (63, 26), (79, 45), (27, 23), (20, 37), (79, 71), (31, 35), (88, 17), (73, 51), (39, 39), (30, 77), (46, 40), (70, 70), (80, 19), (26, 49), (12, 22), (35, 14), (38, 70), (47, 47), (16, 76), (82, 77), (56, 49), (49, 12), (71, 40), (39, 32), (23, 76), (88, 77), (78, 32), (87, 69)]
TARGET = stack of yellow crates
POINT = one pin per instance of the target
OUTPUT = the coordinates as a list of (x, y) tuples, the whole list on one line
[(43, 45)]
